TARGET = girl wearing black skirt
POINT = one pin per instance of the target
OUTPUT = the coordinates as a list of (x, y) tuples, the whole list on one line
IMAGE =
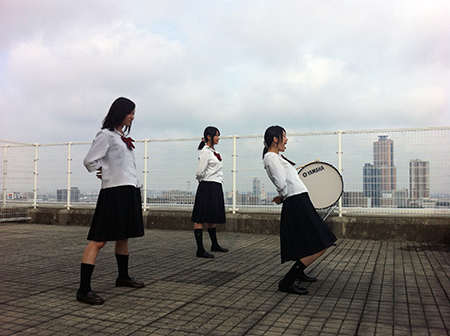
[(118, 215), (304, 236), (209, 206)]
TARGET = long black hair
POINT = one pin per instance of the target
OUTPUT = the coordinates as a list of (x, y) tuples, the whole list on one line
[(212, 132), (271, 132), (119, 109)]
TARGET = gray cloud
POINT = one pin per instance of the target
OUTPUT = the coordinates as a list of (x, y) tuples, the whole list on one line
[(241, 66)]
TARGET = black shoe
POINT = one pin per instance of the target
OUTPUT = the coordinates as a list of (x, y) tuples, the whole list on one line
[(306, 277), (205, 254), (218, 248), (293, 288), (90, 298), (121, 282)]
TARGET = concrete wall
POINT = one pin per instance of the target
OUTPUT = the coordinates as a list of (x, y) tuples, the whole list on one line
[(420, 229)]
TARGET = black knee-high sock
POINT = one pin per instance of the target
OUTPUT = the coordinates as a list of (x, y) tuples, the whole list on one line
[(213, 236), (122, 264), (296, 269), (85, 278), (199, 240)]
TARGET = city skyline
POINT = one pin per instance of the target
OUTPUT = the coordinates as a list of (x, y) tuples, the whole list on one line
[(172, 163)]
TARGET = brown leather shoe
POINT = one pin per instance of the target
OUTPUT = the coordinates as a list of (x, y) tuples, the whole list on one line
[(120, 282), (91, 298)]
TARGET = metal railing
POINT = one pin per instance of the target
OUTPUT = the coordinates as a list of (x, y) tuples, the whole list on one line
[(385, 171)]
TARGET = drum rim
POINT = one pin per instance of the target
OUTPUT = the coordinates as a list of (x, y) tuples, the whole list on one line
[(340, 175)]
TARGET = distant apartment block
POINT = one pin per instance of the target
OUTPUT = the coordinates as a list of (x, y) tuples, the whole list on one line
[(254, 197), (354, 199), (61, 195), (371, 184), (419, 179), (256, 188)]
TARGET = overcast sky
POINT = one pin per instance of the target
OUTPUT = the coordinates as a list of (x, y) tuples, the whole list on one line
[(239, 65)]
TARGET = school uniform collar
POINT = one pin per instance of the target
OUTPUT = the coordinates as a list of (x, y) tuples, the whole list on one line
[(128, 140), (216, 154)]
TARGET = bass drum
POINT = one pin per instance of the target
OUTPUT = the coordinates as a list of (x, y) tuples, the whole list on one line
[(324, 183)]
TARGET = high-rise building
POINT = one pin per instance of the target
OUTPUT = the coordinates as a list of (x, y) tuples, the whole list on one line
[(380, 178), (383, 159), (419, 179), (61, 195), (371, 183), (263, 192), (256, 187)]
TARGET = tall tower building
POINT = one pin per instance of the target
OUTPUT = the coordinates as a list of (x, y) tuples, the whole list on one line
[(383, 159), (419, 179)]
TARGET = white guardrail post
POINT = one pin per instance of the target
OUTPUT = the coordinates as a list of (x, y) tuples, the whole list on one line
[(145, 173), (339, 153), (35, 189), (234, 171), (4, 174), (69, 172)]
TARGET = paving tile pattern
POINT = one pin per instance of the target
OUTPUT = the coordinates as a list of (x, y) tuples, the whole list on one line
[(364, 287)]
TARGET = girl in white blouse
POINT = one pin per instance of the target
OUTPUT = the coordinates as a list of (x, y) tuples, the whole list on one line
[(118, 214), (304, 236), (209, 206)]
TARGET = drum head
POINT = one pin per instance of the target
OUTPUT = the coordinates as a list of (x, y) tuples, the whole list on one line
[(324, 183)]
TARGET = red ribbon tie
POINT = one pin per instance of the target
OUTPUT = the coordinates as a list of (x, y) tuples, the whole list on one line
[(129, 141), (218, 156)]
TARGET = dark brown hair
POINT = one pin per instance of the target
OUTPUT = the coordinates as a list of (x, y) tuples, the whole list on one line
[(119, 109), (211, 131), (271, 132)]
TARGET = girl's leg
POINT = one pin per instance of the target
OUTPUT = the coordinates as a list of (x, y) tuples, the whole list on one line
[(122, 251), (122, 247), (213, 235), (91, 252), (305, 262), (198, 233), (297, 272), (288, 283), (122, 256), (310, 259), (85, 293)]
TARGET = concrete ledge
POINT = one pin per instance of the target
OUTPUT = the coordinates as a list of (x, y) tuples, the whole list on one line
[(420, 229), (245, 223), (61, 217)]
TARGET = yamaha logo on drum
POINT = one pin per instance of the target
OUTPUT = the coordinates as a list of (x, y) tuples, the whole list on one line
[(313, 171)]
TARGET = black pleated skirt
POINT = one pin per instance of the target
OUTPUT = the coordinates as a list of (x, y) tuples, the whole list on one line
[(302, 230), (118, 214), (209, 206)]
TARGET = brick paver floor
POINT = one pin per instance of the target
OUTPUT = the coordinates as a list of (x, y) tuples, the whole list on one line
[(364, 287)]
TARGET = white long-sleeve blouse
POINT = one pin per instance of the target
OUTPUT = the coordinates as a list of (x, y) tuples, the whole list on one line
[(210, 168), (111, 153), (283, 175)]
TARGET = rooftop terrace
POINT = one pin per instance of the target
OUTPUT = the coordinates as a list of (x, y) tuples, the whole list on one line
[(365, 287)]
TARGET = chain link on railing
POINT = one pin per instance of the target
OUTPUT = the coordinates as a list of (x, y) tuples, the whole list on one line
[(385, 171)]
